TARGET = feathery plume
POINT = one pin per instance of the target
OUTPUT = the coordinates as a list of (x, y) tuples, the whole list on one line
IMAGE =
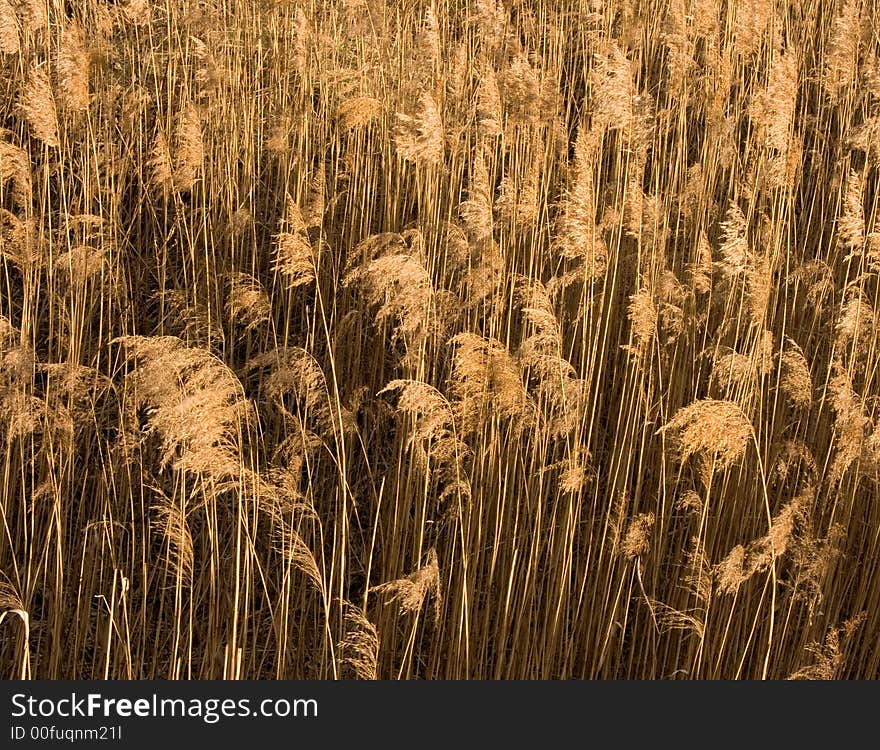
[(842, 50), (637, 540), (642, 317), (295, 372), (410, 592), (521, 90), (433, 412), (751, 20), (476, 211), (9, 40), (196, 403), (359, 649), (397, 282), (613, 88), (189, 150), (193, 321), (294, 256), (857, 324), (718, 432), (577, 235), (358, 111), (15, 165), (82, 263), (489, 114), (773, 108), (735, 251), (851, 225), (38, 106), (486, 379), (733, 372), (161, 165), (313, 210), (795, 379), (294, 550), (169, 522), (419, 137), (851, 424), (829, 656), (434, 422), (247, 302), (744, 561), (73, 70)]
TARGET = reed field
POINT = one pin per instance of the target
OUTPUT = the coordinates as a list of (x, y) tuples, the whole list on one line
[(439, 339)]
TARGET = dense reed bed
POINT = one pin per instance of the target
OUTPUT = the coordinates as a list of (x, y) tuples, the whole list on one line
[(439, 339)]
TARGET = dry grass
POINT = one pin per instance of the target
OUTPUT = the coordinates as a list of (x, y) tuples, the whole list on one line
[(462, 339)]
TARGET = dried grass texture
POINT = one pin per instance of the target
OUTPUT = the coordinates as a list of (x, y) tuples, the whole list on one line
[(484, 340)]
